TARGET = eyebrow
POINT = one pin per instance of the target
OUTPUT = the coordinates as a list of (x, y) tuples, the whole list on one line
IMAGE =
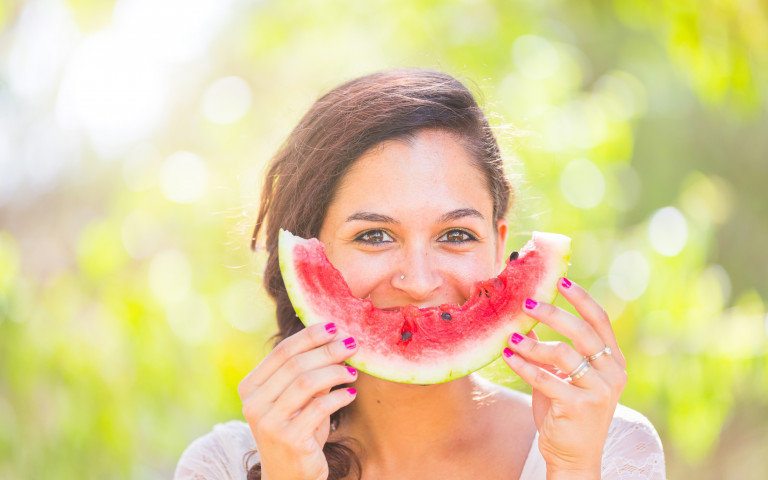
[(444, 218), (371, 217), (460, 213)]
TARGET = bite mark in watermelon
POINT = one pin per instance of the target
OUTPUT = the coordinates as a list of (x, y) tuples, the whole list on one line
[(424, 345)]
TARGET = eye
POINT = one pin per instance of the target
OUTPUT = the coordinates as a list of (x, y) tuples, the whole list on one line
[(374, 237), (457, 236)]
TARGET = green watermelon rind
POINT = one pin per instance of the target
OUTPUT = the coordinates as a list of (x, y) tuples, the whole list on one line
[(476, 355)]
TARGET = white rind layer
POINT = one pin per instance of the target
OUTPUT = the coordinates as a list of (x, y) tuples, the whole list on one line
[(286, 242), (475, 354), (559, 247)]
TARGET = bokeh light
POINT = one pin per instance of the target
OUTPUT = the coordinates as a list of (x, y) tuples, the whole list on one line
[(668, 231), (246, 307), (582, 183), (629, 275), (535, 57), (624, 191), (112, 91), (46, 31), (190, 318), (170, 276), (174, 31), (141, 234), (183, 177), (227, 100), (141, 166), (714, 288)]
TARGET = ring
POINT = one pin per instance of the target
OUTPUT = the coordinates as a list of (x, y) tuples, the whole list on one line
[(579, 371), (605, 351)]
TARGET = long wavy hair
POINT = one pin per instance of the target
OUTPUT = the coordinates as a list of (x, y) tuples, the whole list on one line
[(303, 176)]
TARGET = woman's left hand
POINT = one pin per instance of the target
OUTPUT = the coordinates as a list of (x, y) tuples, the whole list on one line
[(571, 415)]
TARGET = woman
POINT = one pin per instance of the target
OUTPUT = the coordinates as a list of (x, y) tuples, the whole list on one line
[(400, 176)]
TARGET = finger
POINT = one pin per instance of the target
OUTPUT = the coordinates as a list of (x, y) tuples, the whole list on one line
[(305, 340), (560, 354), (594, 314), (547, 366), (539, 379), (601, 357), (309, 385), (584, 337), (319, 409), (329, 354)]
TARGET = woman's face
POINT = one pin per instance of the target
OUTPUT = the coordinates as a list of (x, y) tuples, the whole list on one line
[(419, 209)]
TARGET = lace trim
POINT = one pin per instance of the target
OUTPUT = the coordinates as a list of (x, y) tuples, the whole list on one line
[(632, 451), (218, 455)]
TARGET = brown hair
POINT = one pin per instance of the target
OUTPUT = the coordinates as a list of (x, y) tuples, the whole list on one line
[(342, 125)]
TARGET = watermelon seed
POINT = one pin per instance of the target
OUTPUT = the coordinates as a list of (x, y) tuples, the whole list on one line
[(405, 336), (513, 256), (446, 316)]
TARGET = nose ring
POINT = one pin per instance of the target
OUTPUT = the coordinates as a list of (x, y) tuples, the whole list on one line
[(402, 277)]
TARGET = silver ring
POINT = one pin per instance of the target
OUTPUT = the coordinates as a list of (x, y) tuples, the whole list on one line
[(605, 351), (579, 371)]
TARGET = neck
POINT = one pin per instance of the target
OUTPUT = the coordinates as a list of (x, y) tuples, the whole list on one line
[(397, 424)]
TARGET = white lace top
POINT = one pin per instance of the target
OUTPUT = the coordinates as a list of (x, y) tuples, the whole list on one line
[(632, 451)]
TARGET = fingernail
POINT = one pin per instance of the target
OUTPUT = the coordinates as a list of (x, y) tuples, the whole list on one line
[(566, 283), (352, 370), (508, 353), (352, 391), (350, 343), (530, 304), (330, 328), (516, 338)]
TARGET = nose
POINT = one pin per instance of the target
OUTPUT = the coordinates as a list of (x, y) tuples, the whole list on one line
[(418, 275)]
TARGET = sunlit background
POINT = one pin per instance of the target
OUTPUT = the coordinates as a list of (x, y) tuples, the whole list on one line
[(133, 135)]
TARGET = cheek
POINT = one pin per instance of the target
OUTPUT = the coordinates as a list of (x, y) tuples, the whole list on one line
[(465, 272), (362, 285), (364, 273)]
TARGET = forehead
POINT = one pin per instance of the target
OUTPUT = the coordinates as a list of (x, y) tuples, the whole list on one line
[(431, 168)]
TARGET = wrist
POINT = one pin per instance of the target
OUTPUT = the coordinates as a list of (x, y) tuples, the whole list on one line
[(573, 473)]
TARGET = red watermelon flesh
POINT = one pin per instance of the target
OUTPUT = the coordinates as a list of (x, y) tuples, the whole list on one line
[(424, 345)]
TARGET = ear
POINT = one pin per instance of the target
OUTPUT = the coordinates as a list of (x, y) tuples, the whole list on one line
[(502, 230)]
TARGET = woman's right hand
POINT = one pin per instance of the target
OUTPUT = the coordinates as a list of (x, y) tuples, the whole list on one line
[(288, 403)]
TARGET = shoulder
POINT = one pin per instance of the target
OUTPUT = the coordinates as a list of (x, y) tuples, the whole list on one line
[(219, 454), (632, 448)]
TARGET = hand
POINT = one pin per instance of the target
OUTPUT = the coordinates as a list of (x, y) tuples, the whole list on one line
[(287, 401), (572, 416)]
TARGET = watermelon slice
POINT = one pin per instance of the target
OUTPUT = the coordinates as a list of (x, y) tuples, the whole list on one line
[(424, 345)]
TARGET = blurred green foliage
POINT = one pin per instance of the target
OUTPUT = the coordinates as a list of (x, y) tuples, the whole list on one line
[(132, 139)]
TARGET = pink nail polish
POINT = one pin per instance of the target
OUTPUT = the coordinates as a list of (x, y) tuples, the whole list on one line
[(530, 304), (508, 353), (352, 370), (352, 391), (516, 338), (350, 343), (330, 328), (566, 283)]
